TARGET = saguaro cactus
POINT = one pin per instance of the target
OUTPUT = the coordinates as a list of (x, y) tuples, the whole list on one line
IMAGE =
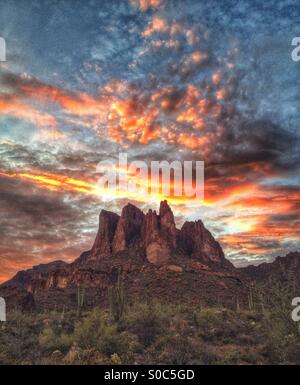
[(250, 299), (116, 298), (80, 300)]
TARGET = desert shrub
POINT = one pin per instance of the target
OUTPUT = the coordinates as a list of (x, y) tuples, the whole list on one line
[(174, 349), (147, 321), (79, 356), (96, 331), (155, 333), (217, 325), (51, 340), (19, 337), (281, 333)]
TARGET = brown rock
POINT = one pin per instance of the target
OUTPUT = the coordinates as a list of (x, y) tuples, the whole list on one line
[(167, 223), (158, 244), (150, 229), (152, 238), (107, 228), (172, 269), (198, 243), (197, 266), (128, 228), (158, 252)]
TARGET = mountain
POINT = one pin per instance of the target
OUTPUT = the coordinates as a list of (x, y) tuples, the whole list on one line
[(155, 259), (279, 269)]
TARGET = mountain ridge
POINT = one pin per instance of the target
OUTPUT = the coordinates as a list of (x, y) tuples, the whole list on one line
[(155, 258)]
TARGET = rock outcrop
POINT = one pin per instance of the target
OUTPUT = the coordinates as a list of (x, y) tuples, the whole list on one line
[(107, 227), (155, 260), (128, 228), (127, 241), (159, 235), (198, 243), (156, 234), (167, 223)]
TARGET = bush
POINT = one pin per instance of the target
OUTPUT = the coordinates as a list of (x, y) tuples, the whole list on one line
[(96, 331), (50, 340), (147, 321), (154, 333)]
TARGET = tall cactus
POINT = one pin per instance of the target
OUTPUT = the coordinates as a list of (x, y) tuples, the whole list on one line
[(116, 298), (238, 308), (250, 299), (80, 300)]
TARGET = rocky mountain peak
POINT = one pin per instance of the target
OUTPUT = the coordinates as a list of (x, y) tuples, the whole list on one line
[(156, 233), (128, 240), (107, 227), (199, 243), (128, 228), (167, 222)]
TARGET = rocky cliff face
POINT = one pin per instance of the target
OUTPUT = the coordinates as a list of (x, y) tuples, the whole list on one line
[(167, 223), (159, 235), (156, 260), (156, 234), (107, 228), (138, 239), (128, 228), (199, 244)]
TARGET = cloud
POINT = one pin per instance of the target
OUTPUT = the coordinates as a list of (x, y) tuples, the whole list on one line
[(13, 106), (44, 225), (145, 5)]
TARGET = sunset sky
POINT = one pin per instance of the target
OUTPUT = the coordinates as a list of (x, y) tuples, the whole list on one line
[(159, 80)]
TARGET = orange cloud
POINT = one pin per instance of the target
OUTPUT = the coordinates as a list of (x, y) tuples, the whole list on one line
[(79, 104), (198, 57), (13, 106), (221, 94), (63, 183), (157, 24), (144, 5), (216, 78), (128, 114)]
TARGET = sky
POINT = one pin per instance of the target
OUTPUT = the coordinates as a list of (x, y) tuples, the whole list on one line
[(159, 80)]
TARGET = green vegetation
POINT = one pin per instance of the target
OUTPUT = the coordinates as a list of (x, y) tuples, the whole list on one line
[(256, 331), (150, 333)]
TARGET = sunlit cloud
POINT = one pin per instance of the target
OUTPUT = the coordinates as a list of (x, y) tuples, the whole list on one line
[(144, 5)]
